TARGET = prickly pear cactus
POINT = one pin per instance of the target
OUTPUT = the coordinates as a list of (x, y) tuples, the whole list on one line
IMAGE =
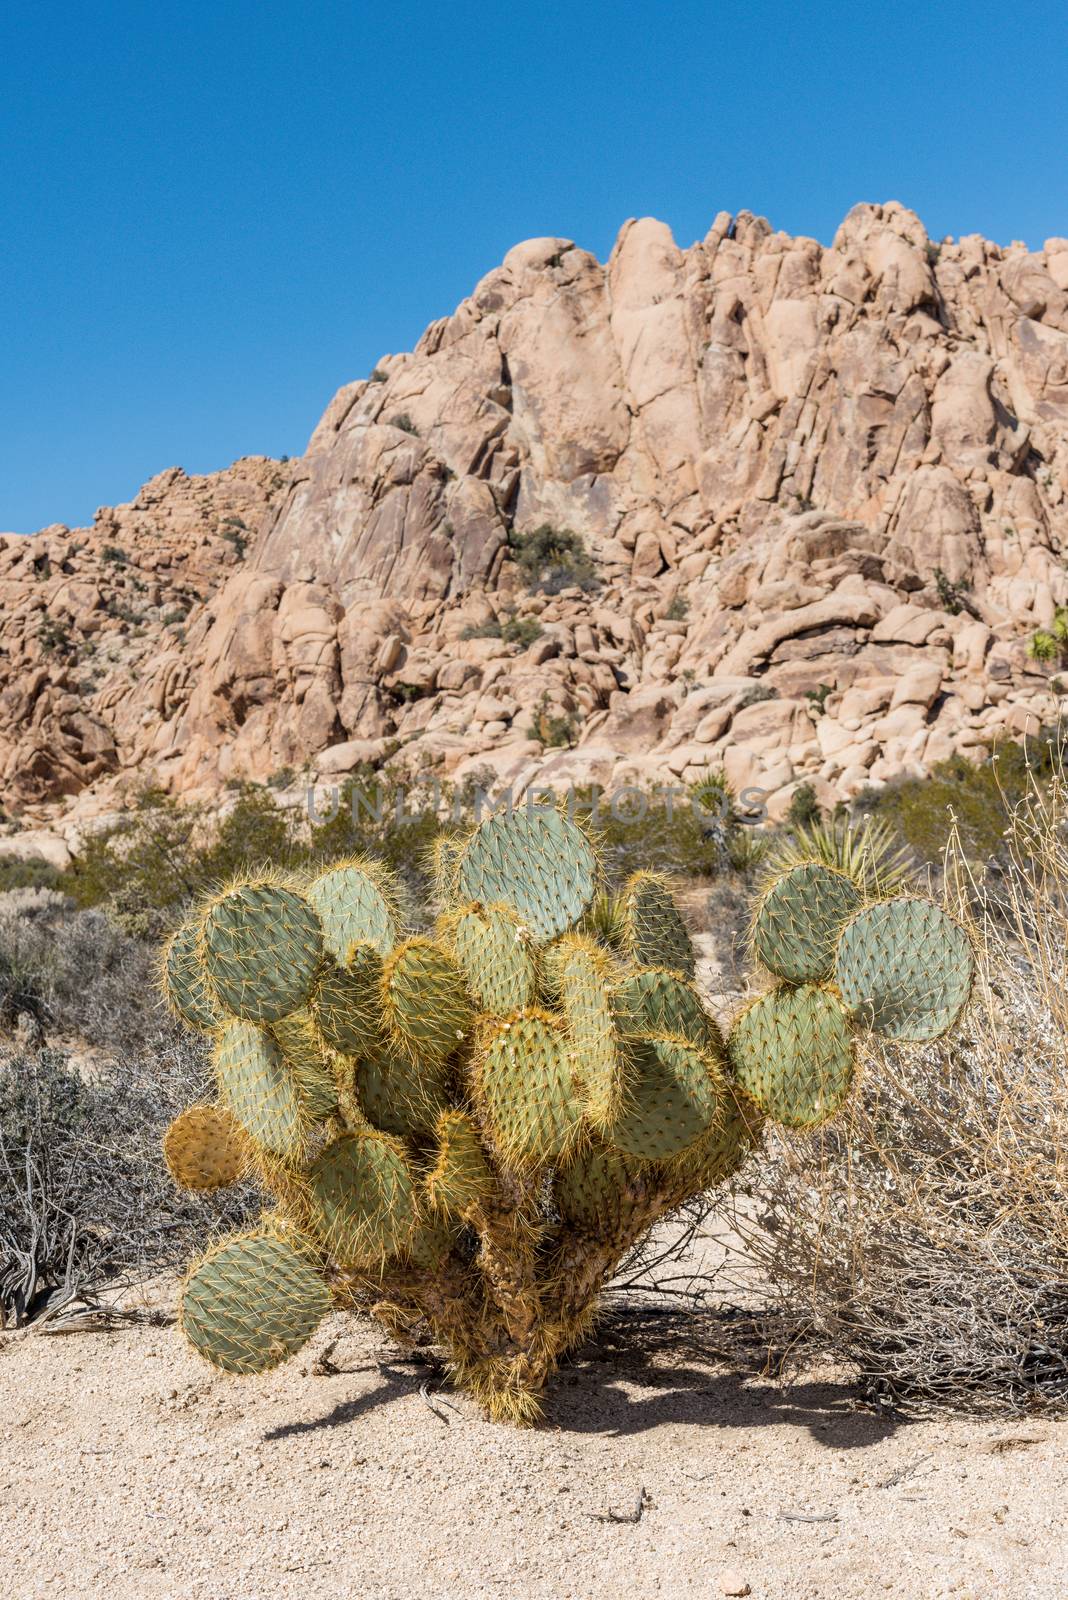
[(467, 1131)]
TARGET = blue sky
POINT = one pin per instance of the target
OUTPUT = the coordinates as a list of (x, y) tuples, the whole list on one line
[(211, 216)]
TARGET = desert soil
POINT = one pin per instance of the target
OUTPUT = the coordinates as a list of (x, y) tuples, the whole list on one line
[(131, 1470)]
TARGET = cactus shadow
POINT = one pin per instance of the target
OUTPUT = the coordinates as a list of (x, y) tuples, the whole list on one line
[(671, 1369), (400, 1378)]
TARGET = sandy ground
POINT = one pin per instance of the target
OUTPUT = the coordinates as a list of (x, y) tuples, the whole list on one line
[(130, 1470)]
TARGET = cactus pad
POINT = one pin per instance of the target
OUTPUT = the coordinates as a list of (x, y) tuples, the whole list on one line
[(535, 861), (653, 1001), (905, 969), (792, 1050), (672, 1097), (362, 1198), (494, 956), (261, 945), (424, 1001), (185, 986), (252, 1302), (347, 1004), (259, 1087), (526, 1091), (593, 1192), (582, 975), (205, 1149), (356, 903), (460, 1180), (300, 1041), (654, 934), (799, 919), (719, 1153), (397, 1094)]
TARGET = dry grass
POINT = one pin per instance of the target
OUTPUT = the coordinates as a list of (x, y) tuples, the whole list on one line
[(924, 1237)]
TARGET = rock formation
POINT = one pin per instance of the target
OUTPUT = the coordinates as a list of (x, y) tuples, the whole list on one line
[(825, 491)]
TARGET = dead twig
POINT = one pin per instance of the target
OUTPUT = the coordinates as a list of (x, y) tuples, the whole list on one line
[(902, 1473), (424, 1395), (634, 1516)]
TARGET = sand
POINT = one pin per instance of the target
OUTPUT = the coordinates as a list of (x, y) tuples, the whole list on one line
[(130, 1470)]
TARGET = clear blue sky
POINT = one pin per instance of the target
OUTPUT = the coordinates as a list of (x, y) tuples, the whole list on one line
[(211, 216)]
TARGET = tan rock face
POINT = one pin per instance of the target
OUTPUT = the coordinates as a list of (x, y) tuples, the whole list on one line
[(825, 491)]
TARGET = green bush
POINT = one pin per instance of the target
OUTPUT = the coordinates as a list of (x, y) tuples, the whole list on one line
[(31, 874), (804, 808), (552, 559), (981, 798)]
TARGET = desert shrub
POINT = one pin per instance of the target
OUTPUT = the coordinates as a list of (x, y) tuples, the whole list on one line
[(691, 833), (523, 631), (404, 422), (756, 695), (86, 1204), (1051, 644), (555, 729), (804, 808), (924, 1239), (163, 852), (981, 798), (32, 873), (678, 610), (53, 635), (491, 629), (76, 974), (552, 559)]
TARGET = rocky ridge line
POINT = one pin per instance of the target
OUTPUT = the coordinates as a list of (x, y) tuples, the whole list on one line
[(825, 491)]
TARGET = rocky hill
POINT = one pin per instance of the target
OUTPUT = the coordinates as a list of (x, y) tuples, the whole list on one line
[(822, 493)]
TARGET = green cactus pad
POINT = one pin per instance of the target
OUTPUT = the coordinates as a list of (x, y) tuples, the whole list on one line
[(525, 1087), (793, 1052), (799, 919), (673, 1096), (252, 1302), (205, 1148), (348, 1001), (654, 1001), (582, 975), (654, 934), (905, 968), (535, 861), (362, 1199), (592, 1193), (300, 1042), (719, 1153), (259, 1087), (429, 1245), (494, 956), (460, 1180), (424, 1001), (184, 983), (357, 903), (398, 1094), (261, 945), (445, 855)]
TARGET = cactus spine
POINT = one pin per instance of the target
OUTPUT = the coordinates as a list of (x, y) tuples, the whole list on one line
[(467, 1132)]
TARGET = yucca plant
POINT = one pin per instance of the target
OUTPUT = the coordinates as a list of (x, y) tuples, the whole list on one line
[(464, 1134), (869, 851)]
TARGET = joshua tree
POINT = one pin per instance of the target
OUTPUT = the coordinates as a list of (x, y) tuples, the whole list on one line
[(463, 1135)]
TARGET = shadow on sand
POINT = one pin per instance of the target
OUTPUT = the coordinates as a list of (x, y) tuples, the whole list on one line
[(646, 1368)]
